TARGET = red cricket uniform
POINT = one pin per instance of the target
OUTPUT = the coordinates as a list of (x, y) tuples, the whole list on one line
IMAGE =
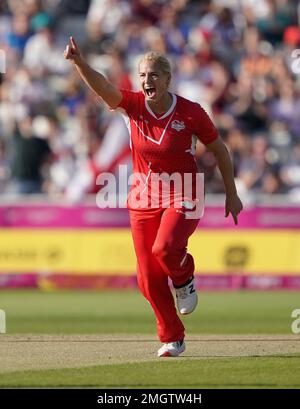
[(159, 144)]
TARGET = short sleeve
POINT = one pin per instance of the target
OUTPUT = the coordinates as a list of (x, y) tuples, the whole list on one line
[(204, 128), (129, 102)]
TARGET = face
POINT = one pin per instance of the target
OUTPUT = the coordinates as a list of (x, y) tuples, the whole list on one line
[(154, 82)]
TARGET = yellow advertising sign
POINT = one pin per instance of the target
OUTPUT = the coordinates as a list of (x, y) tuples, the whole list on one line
[(110, 251), (67, 251)]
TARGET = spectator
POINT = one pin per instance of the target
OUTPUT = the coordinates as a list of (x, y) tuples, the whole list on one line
[(30, 154), (19, 34), (41, 54), (4, 167), (235, 58)]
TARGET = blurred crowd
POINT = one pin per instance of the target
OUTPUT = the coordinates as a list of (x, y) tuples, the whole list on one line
[(238, 59)]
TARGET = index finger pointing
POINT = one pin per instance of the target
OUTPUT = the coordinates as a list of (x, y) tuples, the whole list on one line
[(235, 218), (73, 42)]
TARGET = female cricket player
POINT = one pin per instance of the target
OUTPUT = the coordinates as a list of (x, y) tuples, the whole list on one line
[(163, 129)]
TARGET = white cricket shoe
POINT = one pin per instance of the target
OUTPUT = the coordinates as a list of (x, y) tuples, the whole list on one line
[(186, 297), (171, 349)]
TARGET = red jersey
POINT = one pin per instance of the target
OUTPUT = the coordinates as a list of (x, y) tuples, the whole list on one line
[(165, 143)]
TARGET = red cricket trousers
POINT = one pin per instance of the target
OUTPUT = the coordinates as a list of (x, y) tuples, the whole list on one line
[(160, 238)]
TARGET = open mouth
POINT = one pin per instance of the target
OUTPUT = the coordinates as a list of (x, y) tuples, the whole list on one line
[(150, 92)]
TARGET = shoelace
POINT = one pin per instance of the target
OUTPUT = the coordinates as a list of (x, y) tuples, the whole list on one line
[(181, 293), (174, 344)]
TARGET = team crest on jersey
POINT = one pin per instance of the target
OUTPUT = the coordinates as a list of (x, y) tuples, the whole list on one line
[(178, 125)]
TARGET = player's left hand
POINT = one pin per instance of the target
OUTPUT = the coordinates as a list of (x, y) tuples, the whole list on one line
[(234, 206)]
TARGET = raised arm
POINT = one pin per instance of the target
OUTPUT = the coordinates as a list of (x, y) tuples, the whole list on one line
[(96, 81), (233, 203)]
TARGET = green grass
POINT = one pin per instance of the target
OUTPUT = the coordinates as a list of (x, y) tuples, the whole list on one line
[(127, 312), (263, 372)]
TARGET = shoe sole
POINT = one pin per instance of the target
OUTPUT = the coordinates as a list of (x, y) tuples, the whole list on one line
[(165, 355), (169, 355)]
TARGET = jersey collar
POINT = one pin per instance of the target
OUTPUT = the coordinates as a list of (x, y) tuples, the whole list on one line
[(166, 113)]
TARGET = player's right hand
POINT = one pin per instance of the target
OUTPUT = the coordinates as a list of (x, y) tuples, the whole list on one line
[(72, 53)]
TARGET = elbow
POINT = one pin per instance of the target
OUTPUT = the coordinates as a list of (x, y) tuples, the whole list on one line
[(220, 151)]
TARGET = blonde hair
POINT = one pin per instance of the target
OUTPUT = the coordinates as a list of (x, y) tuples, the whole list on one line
[(159, 59)]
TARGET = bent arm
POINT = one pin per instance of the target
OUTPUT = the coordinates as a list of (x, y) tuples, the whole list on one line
[(99, 84), (233, 203), (96, 81), (218, 148)]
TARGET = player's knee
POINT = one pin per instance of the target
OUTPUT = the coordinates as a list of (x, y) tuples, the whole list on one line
[(161, 250)]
